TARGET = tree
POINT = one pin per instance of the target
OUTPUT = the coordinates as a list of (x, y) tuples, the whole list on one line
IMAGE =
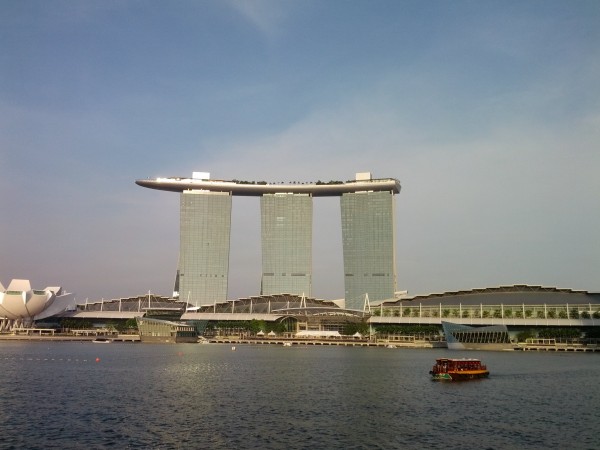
[(257, 325), (75, 324), (131, 324), (559, 333), (356, 327), (524, 335)]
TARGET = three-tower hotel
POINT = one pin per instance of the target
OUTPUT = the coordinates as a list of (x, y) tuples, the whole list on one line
[(368, 235)]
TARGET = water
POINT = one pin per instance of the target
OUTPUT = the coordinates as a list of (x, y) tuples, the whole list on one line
[(186, 396)]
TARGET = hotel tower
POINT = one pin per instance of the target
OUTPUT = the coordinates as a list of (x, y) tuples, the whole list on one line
[(368, 235)]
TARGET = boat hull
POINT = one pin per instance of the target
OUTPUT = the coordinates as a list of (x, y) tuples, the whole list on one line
[(460, 375)]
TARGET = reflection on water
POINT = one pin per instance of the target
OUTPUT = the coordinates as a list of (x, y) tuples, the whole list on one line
[(206, 396)]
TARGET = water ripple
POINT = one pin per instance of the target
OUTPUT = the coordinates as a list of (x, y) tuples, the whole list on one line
[(206, 396)]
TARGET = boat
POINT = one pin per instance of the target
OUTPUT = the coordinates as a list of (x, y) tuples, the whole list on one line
[(101, 340), (447, 369), (287, 344)]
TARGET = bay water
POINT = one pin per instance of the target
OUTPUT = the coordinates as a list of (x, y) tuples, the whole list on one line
[(66, 395)]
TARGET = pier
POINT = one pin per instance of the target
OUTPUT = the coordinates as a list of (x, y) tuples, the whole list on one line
[(550, 345)]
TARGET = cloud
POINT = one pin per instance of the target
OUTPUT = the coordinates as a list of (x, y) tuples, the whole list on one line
[(491, 125), (267, 17), (485, 207)]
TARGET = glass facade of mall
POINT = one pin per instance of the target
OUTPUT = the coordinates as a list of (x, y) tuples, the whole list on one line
[(368, 236), (205, 228), (286, 231)]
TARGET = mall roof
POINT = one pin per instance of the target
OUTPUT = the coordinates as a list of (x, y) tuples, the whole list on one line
[(517, 294)]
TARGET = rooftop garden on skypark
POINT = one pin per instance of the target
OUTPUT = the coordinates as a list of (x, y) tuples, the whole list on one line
[(318, 183), (256, 188)]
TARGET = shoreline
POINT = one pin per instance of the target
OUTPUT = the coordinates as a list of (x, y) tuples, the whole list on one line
[(68, 338), (417, 344)]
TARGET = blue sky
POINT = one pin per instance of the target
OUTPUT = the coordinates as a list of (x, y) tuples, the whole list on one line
[(488, 112)]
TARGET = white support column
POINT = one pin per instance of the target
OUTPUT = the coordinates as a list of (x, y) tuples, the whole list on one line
[(366, 305)]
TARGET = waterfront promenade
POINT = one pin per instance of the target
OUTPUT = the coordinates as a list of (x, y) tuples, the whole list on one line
[(397, 343), (335, 342), (68, 337), (416, 343)]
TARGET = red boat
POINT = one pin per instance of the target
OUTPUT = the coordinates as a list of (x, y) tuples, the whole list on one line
[(446, 369)]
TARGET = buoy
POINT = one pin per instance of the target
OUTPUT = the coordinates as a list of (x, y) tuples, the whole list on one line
[(97, 359)]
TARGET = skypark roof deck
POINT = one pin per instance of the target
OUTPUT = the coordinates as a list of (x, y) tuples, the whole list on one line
[(252, 188)]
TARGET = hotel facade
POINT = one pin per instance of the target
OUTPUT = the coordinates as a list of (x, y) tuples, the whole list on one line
[(368, 235)]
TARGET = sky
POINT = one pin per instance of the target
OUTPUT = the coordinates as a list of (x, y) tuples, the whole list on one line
[(488, 112)]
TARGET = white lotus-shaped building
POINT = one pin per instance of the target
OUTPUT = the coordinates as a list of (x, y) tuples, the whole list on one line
[(19, 303)]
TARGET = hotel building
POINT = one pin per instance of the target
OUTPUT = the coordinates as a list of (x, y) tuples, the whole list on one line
[(368, 234)]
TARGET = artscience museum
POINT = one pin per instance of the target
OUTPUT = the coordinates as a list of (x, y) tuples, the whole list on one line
[(21, 305)]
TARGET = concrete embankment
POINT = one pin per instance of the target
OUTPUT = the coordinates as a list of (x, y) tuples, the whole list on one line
[(133, 338), (330, 342), (558, 348), (68, 338)]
